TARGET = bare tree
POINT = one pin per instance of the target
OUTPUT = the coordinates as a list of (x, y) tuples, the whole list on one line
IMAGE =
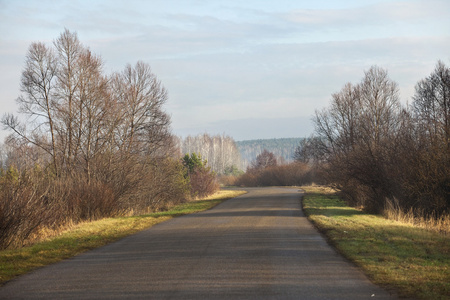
[(310, 151), (145, 125), (264, 160), (69, 50), (431, 104), (429, 184), (96, 117), (381, 105), (355, 131), (37, 101)]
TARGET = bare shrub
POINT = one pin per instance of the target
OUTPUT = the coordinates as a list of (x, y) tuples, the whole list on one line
[(203, 183), (292, 174), (92, 200), (202, 180), (249, 178), (163, 187), (36, 201), (24, 203), (228, 180)]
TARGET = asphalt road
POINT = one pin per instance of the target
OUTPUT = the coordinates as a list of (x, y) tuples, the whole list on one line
[(256, 246)]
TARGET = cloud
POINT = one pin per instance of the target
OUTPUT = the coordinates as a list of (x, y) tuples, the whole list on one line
[(380, 20), (289, 81), (229, 62), (381, 13)]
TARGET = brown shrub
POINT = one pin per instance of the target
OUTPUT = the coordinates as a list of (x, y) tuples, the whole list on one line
[(203, 183), (284, 175), (227, 180), (36, 201), (24, 204)]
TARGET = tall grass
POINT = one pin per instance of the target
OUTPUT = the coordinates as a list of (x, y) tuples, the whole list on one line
[(417, 217)]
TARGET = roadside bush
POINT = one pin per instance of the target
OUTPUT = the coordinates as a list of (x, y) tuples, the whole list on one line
[(283, 175), (24, 207), (36, 201), (247, 179), (227, 180), (91, 201), (165, 185), (203, 181)]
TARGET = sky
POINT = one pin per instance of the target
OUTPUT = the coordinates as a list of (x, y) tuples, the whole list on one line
[(248, 69)]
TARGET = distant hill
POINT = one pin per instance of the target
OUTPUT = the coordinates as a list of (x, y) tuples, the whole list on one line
[(283, 147)]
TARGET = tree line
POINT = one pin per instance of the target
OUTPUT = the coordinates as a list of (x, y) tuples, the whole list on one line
[(379, 152), (219, 151), (87, 145)]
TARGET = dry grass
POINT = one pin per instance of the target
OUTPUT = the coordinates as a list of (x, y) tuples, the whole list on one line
[(392, 211), (417, 218), (412, 260), (224, 194), (318, 189)]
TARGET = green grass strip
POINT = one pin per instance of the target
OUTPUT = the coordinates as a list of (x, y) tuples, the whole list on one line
[(413, 261), (90, 235)]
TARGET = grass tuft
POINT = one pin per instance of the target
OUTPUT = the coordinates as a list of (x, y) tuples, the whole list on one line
[(417, 218), (91, 235), (410, 259)]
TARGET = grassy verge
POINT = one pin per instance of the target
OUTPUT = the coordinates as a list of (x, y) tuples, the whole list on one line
[(90, 235), (412, 260)]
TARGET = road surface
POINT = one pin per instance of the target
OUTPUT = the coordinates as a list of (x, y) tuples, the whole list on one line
[(256, 246)]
